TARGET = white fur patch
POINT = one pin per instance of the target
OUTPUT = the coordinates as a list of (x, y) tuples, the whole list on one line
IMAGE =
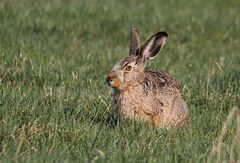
[(146, 51)]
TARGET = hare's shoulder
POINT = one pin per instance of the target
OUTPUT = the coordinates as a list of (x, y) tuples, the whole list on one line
[(158, 79)]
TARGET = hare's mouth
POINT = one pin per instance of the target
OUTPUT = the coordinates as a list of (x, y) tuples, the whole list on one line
[(113, 82)]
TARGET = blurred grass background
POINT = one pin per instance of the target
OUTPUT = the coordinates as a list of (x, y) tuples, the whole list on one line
[(54, 103)]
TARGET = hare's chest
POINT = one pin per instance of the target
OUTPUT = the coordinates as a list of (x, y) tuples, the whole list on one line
[(131, 104)]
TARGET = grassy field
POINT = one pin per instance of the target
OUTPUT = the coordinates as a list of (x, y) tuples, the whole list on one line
[(55, 104)]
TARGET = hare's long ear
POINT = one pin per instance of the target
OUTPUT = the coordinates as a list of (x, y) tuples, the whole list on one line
[(153, 45), (135, 42)]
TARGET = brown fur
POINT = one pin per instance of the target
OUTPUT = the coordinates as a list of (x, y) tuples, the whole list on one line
[(152, 96)]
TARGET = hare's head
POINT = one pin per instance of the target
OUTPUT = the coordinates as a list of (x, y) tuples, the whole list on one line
[(127, 71)]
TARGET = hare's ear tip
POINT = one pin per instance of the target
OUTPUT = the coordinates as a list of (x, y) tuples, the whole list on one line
[(134, 29), (163, 33)]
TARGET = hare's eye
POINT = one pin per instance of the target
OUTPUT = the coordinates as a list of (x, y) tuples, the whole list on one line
[(128, 68)]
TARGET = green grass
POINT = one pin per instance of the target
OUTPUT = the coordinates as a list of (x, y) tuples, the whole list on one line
[(54, 103)]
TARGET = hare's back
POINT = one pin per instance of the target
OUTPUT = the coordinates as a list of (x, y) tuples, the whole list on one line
[(161, 81)]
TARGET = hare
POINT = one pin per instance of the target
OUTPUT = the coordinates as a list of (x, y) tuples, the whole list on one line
[(146, 95)]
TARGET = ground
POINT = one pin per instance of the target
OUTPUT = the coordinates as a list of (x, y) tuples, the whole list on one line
[(55, 104)]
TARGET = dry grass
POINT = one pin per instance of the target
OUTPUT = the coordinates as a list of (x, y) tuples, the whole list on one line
[(226, 147)]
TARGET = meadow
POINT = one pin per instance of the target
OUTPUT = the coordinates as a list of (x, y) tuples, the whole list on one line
[(56, 107)]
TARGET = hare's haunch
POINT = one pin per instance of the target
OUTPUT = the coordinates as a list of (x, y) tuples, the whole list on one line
[(140, 94)]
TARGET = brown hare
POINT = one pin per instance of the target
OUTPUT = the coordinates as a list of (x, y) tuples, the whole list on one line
[(146, 95)]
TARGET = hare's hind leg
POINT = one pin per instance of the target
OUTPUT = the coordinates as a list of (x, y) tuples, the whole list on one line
[(180, 110)]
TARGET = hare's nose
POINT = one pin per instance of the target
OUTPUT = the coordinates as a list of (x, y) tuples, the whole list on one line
[(108, 79)]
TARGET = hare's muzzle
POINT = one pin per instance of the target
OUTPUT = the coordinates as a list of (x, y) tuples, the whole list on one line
[(108, 80), (113, 81)]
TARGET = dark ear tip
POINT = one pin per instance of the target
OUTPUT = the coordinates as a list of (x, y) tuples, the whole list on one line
[(163, 33)]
